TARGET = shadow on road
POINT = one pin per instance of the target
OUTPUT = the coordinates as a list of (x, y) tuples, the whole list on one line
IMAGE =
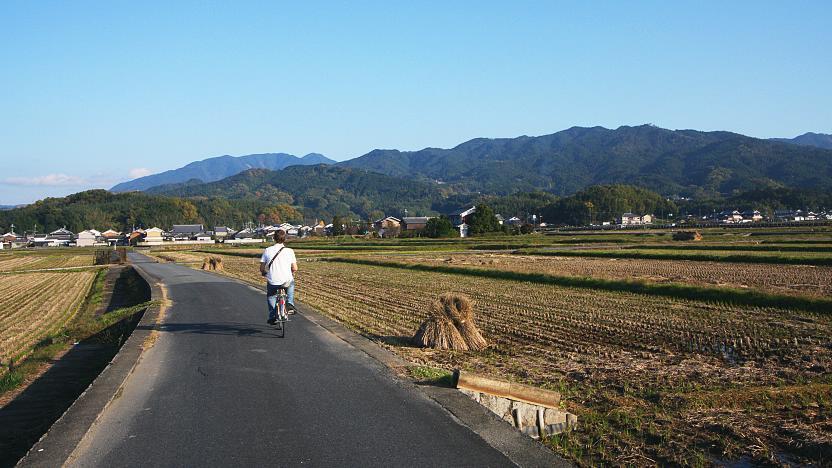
[(219, 328)]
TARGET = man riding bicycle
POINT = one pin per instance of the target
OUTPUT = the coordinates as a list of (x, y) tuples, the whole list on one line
[(278, 265)]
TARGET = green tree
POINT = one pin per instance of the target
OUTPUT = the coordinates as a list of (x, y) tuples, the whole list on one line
[(439, 227), (483, 220), (338, 225)]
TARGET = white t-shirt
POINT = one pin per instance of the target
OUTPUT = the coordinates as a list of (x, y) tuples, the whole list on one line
[(281, 270)]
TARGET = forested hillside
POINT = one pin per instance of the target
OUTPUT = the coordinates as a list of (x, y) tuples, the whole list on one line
[(600, 203), (683, 162), (321, 191), (103, 210)]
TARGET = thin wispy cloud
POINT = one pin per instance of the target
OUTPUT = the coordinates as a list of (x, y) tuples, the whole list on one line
[(50, 180), (137, 172)]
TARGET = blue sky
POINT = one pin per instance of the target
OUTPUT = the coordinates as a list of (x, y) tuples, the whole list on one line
[(96, 92)]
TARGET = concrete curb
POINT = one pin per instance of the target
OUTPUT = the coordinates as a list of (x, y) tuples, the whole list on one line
[(517, 447), (55, 447)]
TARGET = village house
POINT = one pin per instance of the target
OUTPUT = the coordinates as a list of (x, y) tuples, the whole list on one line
[(414, 223), (111, 237), (181, 232), (388, 227), (460, 219), (789, 215), (87, 238), (135, 237), (305, 231), (632, 219), (751, 216), (290, 229), (245, 236), (10, 237), (59, 237), (153, 236), (222, 232), (728, 217)]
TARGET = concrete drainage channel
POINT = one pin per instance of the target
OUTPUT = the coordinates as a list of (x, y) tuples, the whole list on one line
[(534, 411)]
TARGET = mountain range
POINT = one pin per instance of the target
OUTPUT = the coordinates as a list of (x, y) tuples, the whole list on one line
[(212, 169), (820, 140), (671, 162)]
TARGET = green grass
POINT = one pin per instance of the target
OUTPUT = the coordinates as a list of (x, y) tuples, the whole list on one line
[(745, 297), (431, 375)]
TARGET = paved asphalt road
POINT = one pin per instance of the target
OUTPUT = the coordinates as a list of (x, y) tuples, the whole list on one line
[(220, 388)]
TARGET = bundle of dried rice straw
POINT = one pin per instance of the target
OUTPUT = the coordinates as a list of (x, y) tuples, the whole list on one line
[(450, 325)]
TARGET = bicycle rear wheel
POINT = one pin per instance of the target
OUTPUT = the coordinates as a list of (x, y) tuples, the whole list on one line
[(281, 314)]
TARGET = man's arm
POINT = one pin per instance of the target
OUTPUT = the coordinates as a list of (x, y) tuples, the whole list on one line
[(263, 260), (294, 268)]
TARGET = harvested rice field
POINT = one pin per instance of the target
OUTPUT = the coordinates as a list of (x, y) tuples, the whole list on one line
[(33, 305), (36, 261), (791, 279)]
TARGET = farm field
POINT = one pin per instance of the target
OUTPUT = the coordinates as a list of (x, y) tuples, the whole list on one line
[(654, 380), (791, 279), (669, 253), (21, 261), (33, 305)]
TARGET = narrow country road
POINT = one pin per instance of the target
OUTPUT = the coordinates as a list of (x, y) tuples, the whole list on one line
[(221, 388)]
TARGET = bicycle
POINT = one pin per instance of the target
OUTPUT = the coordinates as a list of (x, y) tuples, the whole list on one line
[(280, 310)]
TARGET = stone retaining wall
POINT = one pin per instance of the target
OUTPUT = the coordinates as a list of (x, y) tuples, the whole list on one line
[(533, 420)]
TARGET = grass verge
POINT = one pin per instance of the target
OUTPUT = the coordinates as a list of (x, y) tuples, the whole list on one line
[(427, 375)]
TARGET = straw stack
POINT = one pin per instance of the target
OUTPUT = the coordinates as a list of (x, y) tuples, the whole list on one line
[(212, 264), (450, 325), (460, 310), (440, 333)]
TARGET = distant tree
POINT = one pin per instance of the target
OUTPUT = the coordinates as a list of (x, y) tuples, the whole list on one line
[(338, 226), (439, 227), (483, 220), (375, 214)]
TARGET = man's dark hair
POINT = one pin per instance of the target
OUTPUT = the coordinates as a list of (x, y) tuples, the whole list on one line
[(280, 236)]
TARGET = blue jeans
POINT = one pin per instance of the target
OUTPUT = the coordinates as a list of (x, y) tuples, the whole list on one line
[(271, 298)]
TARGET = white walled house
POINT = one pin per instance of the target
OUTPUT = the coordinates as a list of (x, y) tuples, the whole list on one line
[(153, 236), (85, 239), (751, 216), (632, 219)]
